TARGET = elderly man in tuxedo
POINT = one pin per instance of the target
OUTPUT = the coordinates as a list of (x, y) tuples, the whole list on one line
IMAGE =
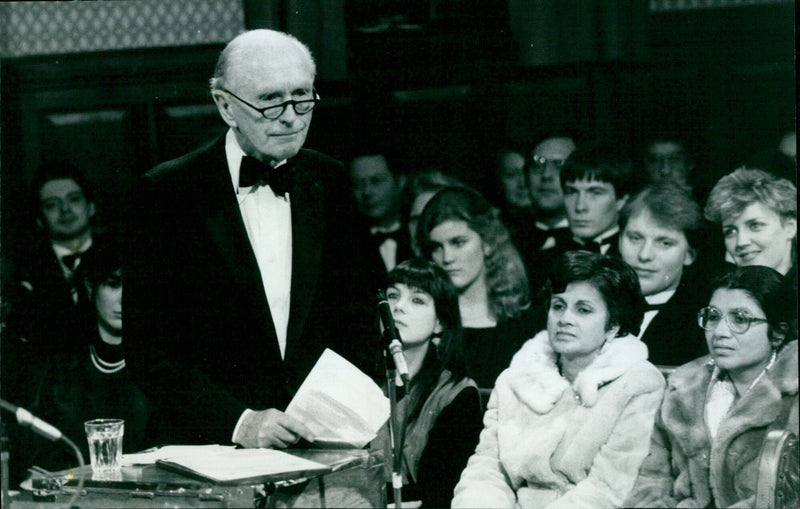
[(244, 262)]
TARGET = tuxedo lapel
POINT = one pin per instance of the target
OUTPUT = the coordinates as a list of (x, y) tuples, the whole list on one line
[(228, 235), (308, 224)]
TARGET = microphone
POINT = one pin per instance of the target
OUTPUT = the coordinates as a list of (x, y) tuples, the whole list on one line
[(28, 420), (392, 336)]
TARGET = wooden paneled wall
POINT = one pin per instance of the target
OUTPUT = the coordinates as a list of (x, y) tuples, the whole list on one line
[(725, 76)]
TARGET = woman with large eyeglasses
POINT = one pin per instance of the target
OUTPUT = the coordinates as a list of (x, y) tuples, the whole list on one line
[(718, 409)]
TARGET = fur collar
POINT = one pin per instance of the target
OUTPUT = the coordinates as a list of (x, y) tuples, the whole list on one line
[(534, 377)]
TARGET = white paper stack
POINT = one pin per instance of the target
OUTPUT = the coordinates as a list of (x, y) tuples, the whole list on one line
[(341, 405)]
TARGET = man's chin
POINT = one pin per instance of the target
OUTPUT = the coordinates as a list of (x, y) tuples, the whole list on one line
[(66, 236)]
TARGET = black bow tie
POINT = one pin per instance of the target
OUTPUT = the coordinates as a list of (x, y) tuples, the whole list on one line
[(381, 237), (655, 307), (253, 172), (592, 246), (71, 260)]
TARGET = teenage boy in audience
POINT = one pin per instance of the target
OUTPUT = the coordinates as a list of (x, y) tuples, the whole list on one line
[(47, 298), (661, 234), (597, 181), (45, 304)]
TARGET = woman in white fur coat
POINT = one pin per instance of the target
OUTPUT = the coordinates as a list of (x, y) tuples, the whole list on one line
[(569, 422)]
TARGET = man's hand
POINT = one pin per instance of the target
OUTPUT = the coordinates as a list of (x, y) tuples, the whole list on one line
[(271, 428)]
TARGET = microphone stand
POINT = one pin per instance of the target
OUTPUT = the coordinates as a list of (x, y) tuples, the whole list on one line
[(43, 429), (396, 428), (5, 501)]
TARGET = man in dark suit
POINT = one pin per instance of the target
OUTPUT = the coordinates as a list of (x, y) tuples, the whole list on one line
[(377, 186), (47, 297), (662, 227), (236, 283), (540, 246), (45, 303)]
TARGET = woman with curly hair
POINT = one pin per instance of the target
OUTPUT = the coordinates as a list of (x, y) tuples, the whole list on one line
[(758, 214), (460, 231)]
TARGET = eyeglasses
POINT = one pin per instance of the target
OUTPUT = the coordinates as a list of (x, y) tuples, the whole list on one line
[(738, 321), (274, 112), (538, 163)]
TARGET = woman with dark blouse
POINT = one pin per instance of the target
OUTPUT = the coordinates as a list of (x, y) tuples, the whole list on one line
[(440, 410), (90, 380), (461, 232)]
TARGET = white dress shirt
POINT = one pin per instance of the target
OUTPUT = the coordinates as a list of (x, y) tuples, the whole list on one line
[(658, 298), (550, 241), (268, 221), (604, 246), (388, 248), (61, 252)]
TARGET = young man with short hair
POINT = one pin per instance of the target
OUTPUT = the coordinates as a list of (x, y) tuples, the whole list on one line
[(597, 180)]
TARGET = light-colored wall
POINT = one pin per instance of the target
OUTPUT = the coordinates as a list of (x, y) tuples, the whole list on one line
[(678, 5), (46, 28)]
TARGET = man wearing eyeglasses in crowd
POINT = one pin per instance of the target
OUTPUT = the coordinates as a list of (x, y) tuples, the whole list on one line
[(241, 262), (551, 227), (544, 169)]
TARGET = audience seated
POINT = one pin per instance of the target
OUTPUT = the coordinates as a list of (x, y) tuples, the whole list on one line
[(550, 229), (89, 380), (377, 189), (718, 409), (46, 294), (668, 158), (45, 304), (544, 179), (597, 180), (441, 408), (569, 423), (661, 229), (758, 215), (460, 231), (515, 200), (417, 193)]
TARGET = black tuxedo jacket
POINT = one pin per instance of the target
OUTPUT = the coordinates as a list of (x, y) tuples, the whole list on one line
[(41, 307), (198, 330), (673, 337), (403, 251)]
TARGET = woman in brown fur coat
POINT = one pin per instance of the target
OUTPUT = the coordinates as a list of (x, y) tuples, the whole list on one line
[(718, 409)]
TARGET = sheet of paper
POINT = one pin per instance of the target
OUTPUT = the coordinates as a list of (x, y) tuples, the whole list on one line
[(149, 457), (341, 405), (234, 464)]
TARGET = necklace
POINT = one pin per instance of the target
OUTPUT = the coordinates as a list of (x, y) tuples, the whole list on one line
[(763, 372), (104, 366)]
